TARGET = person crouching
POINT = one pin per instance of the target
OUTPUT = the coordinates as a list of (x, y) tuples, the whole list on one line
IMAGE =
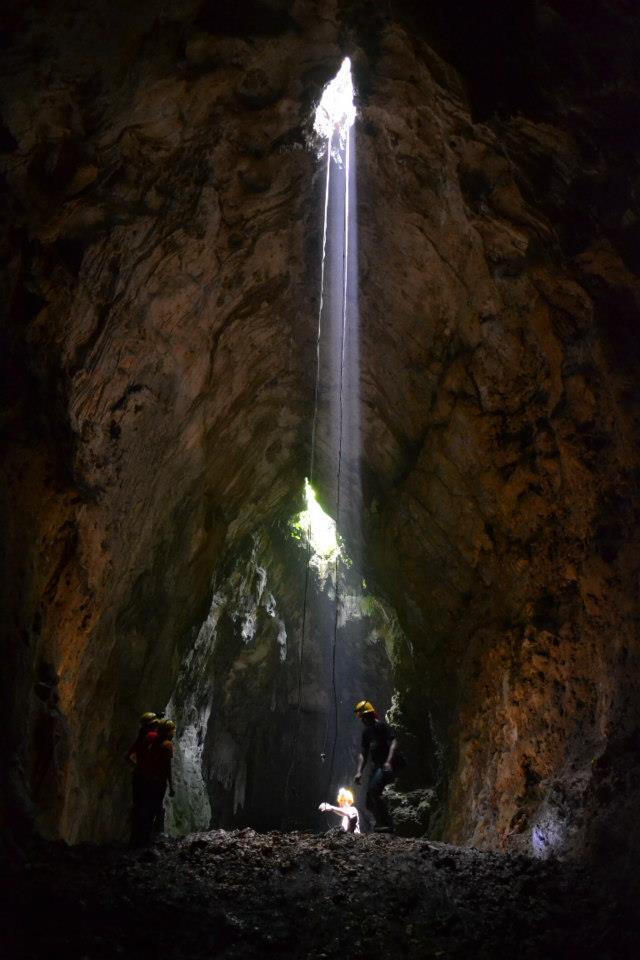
[(345, 809)]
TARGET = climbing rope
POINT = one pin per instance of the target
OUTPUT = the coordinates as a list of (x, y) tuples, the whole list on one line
[(311, 474), (338, 476)]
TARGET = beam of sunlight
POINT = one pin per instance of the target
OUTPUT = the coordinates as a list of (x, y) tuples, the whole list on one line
[(335, 450), (338, 364), (335, 439)]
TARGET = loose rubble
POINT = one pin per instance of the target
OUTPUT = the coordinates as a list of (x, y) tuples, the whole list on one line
[(241, 894)]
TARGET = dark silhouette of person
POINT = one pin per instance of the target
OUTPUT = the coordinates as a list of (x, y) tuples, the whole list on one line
[(378, 742), (150, 777)]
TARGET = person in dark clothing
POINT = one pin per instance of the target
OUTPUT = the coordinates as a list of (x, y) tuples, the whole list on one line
[(378, 742), (159, 764), (151, 755), (136, 754)]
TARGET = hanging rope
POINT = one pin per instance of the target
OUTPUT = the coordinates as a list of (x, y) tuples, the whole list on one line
[(311, 475), (345, 257)]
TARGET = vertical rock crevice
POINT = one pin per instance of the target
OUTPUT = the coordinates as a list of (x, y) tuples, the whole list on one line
[(256, 714)]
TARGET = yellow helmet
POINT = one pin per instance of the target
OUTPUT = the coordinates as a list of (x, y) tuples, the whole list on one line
[(363, 708), (166, 728), (148, 718)]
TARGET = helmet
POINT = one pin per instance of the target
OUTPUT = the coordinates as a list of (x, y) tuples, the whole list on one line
[(147, 718), (166, 728), (345, 797), (363, 708)]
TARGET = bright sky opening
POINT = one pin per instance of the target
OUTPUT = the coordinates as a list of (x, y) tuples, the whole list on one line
[(336, 111)]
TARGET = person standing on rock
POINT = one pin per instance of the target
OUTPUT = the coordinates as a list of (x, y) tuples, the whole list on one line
[(162, 762), (152, 754), (380, 743), (136, 755)]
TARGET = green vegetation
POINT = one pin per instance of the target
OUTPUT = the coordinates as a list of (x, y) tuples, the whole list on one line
[(317, 529)]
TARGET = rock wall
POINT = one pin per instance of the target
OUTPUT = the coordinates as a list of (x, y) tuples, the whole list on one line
[(160, 210), (266, 728), (505, 471), (161, 264)]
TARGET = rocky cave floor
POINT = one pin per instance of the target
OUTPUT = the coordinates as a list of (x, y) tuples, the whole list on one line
[(242, 894)]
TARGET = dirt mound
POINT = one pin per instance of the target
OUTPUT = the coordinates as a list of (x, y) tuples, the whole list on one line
[(241, 894)]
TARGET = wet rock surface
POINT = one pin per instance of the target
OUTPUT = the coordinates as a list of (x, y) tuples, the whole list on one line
[(243, 894)]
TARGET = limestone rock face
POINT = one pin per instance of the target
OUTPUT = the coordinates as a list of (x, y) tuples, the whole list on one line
[(132, 291), (265, 720), (162, 266)]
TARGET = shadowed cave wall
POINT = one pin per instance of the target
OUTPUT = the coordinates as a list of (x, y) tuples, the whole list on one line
[(161, 271), (263, 733)]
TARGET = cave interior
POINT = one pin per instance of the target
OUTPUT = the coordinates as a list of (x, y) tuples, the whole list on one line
[(219, 334)]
